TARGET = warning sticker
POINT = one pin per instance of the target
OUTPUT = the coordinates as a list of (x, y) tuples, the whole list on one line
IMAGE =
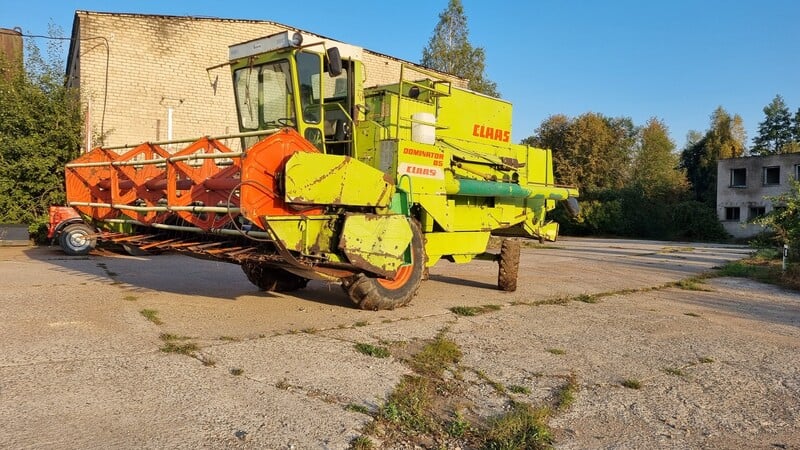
[(418, 170)]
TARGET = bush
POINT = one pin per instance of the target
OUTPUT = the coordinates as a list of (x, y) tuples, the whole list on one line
[(40, 127)]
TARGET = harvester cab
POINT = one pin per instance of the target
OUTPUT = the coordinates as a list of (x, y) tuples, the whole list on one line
[(299, 81)]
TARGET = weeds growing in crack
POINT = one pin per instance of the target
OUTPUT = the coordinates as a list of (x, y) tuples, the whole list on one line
[(372, 350), (631, 383), (469, 311), (173, 344), (432, 407), (151, 315), (517, 389), (361, 443), (357, 408), (187, 348), (523, 427), (557, 351), (565, 394), (586, 298), (674, 371)]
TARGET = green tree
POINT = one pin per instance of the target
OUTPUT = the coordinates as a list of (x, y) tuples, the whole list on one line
[(40, 125), (591, 151), (655, 169), (449, 50), (775, 132), (785, 219), (725, 138)]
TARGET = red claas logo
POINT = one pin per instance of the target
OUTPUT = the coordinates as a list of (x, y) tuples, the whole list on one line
[(495, 134)]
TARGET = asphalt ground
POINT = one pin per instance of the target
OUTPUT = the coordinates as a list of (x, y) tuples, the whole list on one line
[(82, 367)]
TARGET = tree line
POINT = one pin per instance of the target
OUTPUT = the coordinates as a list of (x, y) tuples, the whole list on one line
[(633, 180)]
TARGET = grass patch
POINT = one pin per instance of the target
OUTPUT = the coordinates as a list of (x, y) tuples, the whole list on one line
[(434, 407), (517, 389), (372, 350), (229, 338), (565, 395), (130, 298), (151, 315), (407, 404), (311, 330), (186, 348), (474, 310), (586, 298), (705, 360), (498, 387), (674, 371), (631, 383), (236, 371), (691, 314), (521, 428), (172, 337), (692, 284), (357, 408), (283, 385), (457, 427), (361, 443), (436, 356), (557, 351), (361, 323)]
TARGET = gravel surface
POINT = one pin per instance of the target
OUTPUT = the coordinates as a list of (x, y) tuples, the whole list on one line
[(81, 367)]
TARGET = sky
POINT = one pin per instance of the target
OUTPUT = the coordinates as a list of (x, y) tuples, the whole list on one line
[(676, 60)]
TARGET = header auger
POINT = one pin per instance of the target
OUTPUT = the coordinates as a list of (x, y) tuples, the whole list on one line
[(363, 186)]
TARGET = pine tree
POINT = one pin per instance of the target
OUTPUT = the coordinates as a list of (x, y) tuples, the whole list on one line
[(775, 132), (449, 50)]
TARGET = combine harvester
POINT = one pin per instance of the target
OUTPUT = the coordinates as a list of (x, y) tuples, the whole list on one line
[(363, 186)]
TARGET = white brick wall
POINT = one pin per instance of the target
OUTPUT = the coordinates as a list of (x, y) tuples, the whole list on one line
[(157, 62)]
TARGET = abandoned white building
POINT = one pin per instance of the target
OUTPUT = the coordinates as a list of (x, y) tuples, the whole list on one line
[(745, 186)]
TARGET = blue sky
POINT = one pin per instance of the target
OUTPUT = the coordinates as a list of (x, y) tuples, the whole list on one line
[(672, 59)]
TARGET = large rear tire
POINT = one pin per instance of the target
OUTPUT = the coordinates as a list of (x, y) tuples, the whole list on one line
[(271, 279), (509, 265), (381, 293), (77, 239)]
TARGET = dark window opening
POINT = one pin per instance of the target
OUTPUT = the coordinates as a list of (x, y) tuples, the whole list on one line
[(738, 177), (732, 214), (757, 211), (772, 175)]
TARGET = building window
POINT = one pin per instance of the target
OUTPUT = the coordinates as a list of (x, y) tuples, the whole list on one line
[(739, 178), (732, 214), (772, 176), (756, 212)]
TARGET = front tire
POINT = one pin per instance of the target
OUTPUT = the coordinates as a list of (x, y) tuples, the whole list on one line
[(270, 279), (77, 239), (381, 293)]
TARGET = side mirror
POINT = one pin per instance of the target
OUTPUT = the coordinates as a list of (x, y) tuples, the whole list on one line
[(334, 62)]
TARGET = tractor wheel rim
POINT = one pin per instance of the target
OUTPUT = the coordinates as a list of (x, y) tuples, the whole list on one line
[(77, 240), (403, 275)]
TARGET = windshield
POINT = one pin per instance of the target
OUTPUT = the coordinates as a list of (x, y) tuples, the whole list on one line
[(264, 96)]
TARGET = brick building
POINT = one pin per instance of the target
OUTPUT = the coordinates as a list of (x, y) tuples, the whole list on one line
[(744, 186), (135, 72)]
